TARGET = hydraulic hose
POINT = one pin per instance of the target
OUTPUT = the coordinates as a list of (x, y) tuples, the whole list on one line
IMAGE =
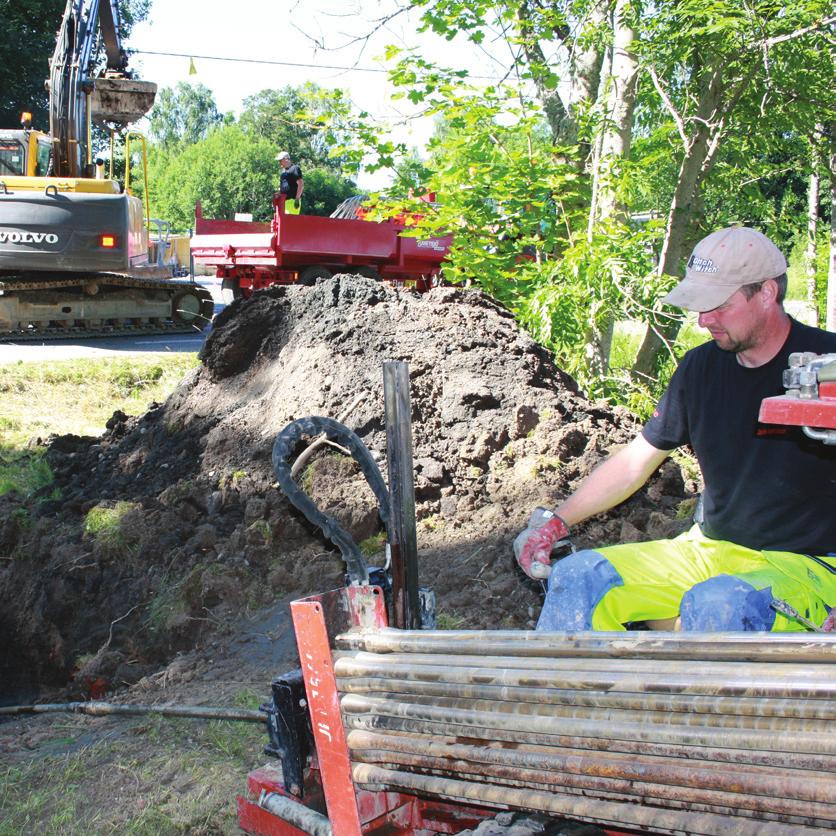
[(283, 448)]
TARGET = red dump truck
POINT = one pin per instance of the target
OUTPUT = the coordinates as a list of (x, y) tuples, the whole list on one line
[(298, 249)]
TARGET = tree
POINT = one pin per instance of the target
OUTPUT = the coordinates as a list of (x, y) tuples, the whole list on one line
[(183, 115), (299, 120), (28, 41), (230, 171), (682, 105)]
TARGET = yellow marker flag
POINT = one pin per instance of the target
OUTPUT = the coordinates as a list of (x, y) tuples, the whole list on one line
[(192, 68)]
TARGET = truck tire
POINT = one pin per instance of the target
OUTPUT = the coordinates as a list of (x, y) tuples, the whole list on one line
[(231, 290), (309, 275), (528, 824), (366, 272)]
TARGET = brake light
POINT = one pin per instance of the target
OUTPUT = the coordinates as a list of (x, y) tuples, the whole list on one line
[(108, 242)]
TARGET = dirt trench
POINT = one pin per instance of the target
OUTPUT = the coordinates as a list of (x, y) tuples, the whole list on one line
[(203, 535)]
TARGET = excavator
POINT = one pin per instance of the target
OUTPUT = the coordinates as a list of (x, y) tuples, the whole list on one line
[(74, 244)]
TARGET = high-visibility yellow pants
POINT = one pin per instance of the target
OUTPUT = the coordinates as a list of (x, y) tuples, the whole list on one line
[(712, 585), (292, 206)]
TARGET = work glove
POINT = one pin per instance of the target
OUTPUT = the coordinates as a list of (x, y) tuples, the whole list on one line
[(533, 546)]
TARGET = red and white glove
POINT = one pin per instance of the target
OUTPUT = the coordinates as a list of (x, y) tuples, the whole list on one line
[(533, 546)]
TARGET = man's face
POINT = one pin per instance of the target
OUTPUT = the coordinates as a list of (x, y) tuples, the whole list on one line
[(736, 325), (284, 162)]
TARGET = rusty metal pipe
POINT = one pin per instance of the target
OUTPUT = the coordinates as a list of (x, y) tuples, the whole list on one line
[(589, 809), (602, 715), (736, 707), (774, 786), (609, 740), (661, 795), (738, 647), (802, 742), (289, 810), (684, 683)]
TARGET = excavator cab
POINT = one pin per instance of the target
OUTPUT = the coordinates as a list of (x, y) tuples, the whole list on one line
[(25, 153)]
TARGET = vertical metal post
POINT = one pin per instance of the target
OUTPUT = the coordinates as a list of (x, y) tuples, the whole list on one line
[(403, 541)]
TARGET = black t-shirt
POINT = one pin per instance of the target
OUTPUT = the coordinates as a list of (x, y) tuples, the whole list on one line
[(290, 178), (766, 486)]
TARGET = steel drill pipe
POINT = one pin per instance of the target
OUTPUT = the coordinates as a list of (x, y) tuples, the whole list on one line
[(655, 667), (774, 786), (813, 687), (533, 752), (810, 743), (609, 740), (754, 707), (589, 809), (667, 796), (795, 648), (601, 715)]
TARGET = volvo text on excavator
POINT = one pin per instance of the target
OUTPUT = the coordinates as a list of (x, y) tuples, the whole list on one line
[(74, 246)]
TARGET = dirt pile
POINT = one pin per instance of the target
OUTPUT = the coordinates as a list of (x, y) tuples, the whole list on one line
[(197, 533)]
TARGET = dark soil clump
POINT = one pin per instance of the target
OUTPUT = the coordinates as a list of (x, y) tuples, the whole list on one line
[(198, 534)]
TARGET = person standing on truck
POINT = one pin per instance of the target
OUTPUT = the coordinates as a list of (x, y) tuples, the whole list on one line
[(292, 183), (767, 535)]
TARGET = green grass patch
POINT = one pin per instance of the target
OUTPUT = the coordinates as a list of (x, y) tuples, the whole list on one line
[(24, 471), (79, 396), (104, 524)]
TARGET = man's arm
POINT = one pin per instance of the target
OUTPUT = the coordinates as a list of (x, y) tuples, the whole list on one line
[(615, 479), (300, 187)]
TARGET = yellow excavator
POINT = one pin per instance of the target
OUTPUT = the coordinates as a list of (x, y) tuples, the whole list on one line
[(74, 244)]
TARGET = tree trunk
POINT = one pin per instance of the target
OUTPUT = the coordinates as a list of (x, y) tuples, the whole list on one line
[(811, 251), (620, 99), (681, 219)]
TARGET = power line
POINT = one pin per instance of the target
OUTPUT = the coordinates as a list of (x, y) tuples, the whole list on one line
[(258, 61), (278, 63)]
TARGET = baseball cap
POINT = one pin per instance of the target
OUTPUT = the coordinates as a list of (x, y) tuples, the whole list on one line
[(282, 155), (722, 263)]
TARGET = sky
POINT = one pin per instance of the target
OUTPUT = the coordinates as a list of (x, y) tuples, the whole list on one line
[(314, 40)]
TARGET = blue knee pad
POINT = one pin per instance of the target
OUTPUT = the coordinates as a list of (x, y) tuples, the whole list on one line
[(576, 586), (726, 603)]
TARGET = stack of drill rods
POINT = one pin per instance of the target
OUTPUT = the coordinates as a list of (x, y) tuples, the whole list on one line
[(752, 679), (814, 750), (508, 704), (734, 647), (751, 713), (723, 789), (599, 810), (678, 732)]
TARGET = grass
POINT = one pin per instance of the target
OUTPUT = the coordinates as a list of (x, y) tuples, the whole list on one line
[(35, 396), (72, 396), (170, 776), (104, 524)]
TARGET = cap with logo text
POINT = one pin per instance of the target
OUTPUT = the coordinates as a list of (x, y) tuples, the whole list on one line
[(721, 264)]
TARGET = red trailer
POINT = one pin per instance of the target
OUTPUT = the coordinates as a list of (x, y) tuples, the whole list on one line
[(292, 249)]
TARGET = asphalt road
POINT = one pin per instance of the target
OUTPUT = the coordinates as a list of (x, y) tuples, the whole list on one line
[(34, 352)]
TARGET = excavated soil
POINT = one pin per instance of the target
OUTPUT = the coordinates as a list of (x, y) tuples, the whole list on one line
[(207, 545)]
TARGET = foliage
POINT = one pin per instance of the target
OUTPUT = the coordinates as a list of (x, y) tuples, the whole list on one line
[(28, 41), (229, 171), (302, 121), (183, 115)]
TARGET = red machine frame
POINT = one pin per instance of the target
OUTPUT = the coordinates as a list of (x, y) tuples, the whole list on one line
[(329, 788), (258, 255)]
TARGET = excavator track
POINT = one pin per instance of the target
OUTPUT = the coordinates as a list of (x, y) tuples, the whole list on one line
[(99, 305)]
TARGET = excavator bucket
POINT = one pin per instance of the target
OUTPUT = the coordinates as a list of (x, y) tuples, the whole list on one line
[(121, 100)]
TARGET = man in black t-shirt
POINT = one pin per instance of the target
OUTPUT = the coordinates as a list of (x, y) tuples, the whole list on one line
[(768, 533), (292, 183)]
